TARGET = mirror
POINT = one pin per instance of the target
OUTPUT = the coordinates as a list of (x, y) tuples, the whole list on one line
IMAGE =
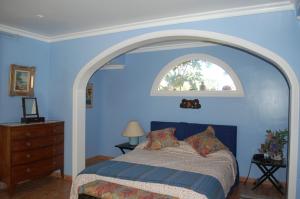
[(30, 107), (30, 110)]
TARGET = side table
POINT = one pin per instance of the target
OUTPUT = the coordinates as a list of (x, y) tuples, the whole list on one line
[(268, 167), (125, 145)]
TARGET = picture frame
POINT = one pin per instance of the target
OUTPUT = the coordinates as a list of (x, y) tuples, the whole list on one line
[(21, 81), (89, 95)]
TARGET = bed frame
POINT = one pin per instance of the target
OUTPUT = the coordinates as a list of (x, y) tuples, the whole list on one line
[(226, 133)]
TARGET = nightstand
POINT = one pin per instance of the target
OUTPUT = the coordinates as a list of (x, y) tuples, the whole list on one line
[(268, 167), (125, 145)]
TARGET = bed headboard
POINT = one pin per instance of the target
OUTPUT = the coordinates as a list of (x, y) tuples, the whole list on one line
[(227, 134)]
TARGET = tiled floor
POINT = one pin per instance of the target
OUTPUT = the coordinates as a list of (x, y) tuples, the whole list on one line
[(56, 188)]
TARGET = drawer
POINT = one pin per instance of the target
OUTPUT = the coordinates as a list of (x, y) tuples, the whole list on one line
[(32, 155), (31, 132), (29, 144), (32, 171), (58, 149), (58, 139), (58, 129), (58, 162)]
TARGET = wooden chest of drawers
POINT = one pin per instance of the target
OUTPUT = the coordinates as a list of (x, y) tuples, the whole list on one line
[(30, 151)]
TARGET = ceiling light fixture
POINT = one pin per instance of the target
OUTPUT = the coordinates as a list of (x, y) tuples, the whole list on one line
[(40, 16)]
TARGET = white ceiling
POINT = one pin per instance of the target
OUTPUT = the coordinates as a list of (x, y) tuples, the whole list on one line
[(70, 16)]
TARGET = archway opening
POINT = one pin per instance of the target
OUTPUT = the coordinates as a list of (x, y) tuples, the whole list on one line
[(86, 72)]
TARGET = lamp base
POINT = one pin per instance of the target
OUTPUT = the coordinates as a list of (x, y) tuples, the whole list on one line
[(133, 140)]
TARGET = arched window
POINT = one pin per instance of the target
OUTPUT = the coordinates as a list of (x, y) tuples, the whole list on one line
[(197, 75)]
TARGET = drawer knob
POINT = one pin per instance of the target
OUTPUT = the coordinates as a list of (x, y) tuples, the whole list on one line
[(28, 134), (28, 144), (28, 156), (54, 162), (28, 170)]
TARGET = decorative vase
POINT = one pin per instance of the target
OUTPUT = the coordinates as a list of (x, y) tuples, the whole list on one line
[(276, 157), (266, 156)]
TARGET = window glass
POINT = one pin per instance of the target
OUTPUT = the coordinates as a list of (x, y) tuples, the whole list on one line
[(196, 75)]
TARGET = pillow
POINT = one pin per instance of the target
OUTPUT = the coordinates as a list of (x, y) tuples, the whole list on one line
[(194, 138), (141, 145), (161, 138), (183, 148), (206, 142)]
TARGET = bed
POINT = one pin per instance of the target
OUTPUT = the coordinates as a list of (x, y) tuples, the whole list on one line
[(203, 178)]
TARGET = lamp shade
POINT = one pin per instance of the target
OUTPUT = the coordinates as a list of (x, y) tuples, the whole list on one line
[(133, 129)]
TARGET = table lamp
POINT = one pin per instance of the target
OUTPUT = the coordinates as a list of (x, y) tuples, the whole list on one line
[(133, 131)]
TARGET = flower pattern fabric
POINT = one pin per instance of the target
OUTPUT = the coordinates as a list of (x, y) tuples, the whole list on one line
[(206, 142), (162, 138), (108, 190)]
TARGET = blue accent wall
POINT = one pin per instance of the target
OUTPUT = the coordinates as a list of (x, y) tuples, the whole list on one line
[(26, 52), (123, 95), (93, 140), (277, 31)]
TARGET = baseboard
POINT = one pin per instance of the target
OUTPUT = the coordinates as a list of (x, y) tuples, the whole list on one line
[(68, 178), (57, 174), (95, 159), (253, 180)]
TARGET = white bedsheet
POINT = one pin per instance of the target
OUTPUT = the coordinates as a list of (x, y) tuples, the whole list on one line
[(220, 165)]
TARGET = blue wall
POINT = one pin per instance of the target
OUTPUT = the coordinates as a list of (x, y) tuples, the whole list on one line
[(278, 32), (93, 140), (123, 95), (27, 52)]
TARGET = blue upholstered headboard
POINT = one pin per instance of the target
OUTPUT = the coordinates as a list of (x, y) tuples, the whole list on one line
[(227, 134)]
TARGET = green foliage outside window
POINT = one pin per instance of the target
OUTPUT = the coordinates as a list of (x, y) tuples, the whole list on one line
[(196, 75), (186, 74)]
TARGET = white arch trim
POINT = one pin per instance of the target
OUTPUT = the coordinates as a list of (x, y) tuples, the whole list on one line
[(239, 92), (78, 123)]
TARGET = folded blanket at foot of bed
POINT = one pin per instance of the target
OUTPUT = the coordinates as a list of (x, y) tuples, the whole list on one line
[(108, 190), (200, 183)]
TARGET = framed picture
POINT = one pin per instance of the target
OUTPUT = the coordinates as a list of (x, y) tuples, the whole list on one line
[(21, 81), (89, 95)]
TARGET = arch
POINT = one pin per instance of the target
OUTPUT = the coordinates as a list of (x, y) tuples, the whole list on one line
[(239, 92), (79, 85)]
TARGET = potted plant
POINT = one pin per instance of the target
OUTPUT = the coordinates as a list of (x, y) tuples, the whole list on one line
[(274, 144)]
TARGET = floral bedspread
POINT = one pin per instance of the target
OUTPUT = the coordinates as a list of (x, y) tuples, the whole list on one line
[(108, 190)]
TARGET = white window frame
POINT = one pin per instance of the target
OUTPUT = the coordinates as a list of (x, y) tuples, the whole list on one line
[(239, 92)]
